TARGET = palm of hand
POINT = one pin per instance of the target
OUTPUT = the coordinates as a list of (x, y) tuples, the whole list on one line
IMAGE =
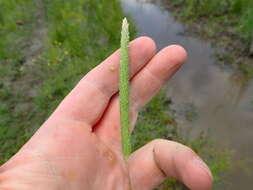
[(79, 146), (71, 157)]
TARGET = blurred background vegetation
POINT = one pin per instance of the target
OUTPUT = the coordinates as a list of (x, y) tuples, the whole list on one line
[(79, 34), (238, 13)]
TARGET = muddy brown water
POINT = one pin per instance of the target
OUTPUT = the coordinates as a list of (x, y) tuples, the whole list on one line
[(207, 96)]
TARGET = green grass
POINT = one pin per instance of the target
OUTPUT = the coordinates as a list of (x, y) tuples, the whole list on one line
[(80, 35), (238, 13), (11, 12), (12, 133)]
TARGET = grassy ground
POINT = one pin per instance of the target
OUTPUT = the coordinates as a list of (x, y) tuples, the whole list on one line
[(15, 26), (77, 35), (80, 35), (226, 23)]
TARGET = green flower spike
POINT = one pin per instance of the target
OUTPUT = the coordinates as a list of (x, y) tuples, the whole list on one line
[(124, 90)]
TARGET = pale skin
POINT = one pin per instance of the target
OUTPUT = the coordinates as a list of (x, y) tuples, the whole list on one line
[(79, 146)]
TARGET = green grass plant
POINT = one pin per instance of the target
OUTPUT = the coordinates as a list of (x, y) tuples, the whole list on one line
[(124, 90)]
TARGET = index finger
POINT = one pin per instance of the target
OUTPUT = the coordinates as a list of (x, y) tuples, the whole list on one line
[(88, 100)]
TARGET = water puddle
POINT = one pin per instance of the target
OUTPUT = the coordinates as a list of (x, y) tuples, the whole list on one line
[(206, 95)]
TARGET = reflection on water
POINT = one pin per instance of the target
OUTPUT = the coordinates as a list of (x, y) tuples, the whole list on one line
[(220, 96)]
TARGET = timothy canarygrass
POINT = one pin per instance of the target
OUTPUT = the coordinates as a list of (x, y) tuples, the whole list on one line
[(124, 90)]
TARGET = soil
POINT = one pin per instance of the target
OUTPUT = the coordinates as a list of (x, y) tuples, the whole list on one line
[(27, 84)]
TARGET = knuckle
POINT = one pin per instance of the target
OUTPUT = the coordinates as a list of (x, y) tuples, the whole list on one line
[(159, 141)]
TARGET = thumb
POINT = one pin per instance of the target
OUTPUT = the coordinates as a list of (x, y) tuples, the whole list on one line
[(153, 163)]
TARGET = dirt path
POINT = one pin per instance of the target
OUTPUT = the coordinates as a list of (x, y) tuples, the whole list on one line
[(27, 85)]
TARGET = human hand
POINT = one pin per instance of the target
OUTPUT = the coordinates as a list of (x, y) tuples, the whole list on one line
[(79, 146)]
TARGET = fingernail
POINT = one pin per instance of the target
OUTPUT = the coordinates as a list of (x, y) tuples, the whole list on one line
[(203, 165)]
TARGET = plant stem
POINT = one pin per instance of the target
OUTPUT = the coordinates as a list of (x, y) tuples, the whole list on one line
[(124, 90)]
